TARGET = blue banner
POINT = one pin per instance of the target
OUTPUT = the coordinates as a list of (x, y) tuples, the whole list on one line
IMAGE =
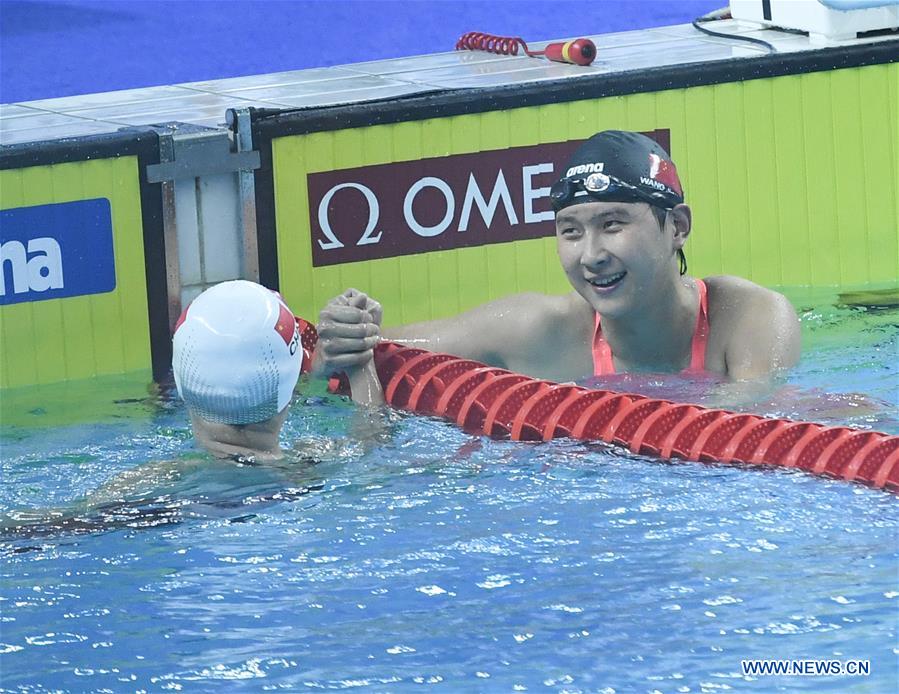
[(56, 251)]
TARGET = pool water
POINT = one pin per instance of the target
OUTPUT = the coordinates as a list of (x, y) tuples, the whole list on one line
[(419, 556)]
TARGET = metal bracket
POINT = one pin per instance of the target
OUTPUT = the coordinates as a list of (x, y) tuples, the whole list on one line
[(241, 123), (199, 151)]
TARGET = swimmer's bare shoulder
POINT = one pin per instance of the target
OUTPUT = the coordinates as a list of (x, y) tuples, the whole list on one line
[(754, 331), (521, 332)]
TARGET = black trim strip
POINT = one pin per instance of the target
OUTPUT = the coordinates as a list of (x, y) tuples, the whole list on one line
[(124, 142), (266, 238), (144, 144), (155, 262), (766, 9)]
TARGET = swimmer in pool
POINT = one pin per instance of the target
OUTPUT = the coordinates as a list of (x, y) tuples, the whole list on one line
[(236, 359), (621, 225)]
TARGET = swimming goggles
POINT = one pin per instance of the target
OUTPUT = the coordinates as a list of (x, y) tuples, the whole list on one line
[(603, 186)]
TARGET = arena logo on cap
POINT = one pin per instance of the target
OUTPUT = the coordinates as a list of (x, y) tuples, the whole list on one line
[(441, 203), (580, 169), (56, 251)]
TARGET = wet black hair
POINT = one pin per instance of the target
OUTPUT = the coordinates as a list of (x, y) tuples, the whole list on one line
[(661, 214)]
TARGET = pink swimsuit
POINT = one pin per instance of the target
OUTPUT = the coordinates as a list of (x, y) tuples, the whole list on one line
[(602, 353)]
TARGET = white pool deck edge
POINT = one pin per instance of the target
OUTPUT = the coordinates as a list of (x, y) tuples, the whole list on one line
[(204, 103)]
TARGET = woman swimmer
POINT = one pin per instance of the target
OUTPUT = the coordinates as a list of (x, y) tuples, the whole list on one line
[(236, 360)]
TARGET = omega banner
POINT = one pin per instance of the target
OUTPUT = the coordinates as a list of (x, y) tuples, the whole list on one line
[(437, 204)]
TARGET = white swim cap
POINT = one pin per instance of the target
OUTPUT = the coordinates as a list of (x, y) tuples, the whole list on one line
[(236, 353)]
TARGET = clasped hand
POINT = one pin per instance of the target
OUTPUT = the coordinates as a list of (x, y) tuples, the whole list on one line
[(349, 327)]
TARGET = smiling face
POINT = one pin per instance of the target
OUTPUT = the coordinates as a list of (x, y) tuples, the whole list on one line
[(616, 255)]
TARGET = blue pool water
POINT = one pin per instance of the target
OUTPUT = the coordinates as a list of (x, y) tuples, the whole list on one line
[(422, 557)]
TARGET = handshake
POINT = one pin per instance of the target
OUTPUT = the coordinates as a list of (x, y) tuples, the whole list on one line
[(349, 328)]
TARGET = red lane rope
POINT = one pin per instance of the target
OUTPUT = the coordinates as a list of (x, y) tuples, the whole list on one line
[(506, 405)]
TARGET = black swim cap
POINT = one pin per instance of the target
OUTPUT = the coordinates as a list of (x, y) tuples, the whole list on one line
[(619, 166)]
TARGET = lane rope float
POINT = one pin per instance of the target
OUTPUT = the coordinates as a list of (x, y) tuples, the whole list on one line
[(505, 405)]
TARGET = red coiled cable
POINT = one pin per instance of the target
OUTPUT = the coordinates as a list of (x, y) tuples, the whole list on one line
[(577, 51), (502, 45)]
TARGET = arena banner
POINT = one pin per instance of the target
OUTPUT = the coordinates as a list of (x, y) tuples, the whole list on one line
[(82, 272), (56, 251), (437, 203)]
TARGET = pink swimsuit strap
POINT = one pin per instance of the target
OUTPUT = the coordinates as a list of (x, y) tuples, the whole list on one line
[(602, 353)]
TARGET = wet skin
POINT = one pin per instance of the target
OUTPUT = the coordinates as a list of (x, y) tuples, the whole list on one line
[(622, 264)]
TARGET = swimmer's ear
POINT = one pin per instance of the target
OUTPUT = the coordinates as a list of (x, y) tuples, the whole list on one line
[(681, 218)]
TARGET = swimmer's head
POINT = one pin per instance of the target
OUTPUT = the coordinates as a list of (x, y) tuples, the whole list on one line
[(236, 354), (618, 166)]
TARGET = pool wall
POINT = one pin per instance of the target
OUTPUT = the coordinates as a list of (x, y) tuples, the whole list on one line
[(792, 181), (89, 199)]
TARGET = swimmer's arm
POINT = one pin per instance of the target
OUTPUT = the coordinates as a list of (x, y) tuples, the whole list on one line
[(355, 313), (765, 340), (113, 498), (365, 387), (348, 330), (490, 333), (140, 482)]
